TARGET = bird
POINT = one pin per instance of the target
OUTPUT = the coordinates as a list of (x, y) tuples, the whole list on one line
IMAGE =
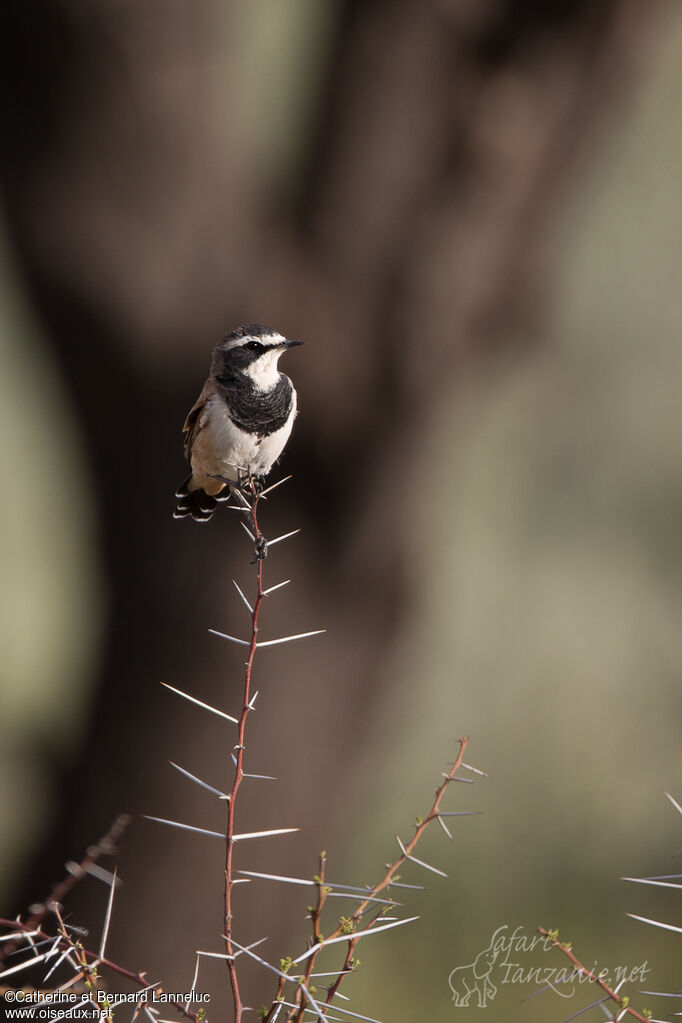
[(241, 421)]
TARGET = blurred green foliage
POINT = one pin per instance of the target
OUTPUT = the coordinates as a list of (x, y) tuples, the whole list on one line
[(50, 601), (546, 612)]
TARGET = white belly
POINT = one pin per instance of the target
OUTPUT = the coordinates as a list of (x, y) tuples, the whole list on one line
[(222, 449)]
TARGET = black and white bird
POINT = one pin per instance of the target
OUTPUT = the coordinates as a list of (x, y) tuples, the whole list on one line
[(241, 420)]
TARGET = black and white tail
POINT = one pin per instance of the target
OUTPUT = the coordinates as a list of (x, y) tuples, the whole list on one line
[(196, 503)]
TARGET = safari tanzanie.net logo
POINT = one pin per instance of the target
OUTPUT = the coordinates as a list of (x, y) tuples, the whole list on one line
[(512, 958)]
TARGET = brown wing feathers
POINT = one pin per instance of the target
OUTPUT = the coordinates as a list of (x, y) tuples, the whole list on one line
[(194, 502)]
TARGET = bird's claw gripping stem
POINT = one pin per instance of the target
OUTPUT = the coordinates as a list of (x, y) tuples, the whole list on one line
[(260, 549)]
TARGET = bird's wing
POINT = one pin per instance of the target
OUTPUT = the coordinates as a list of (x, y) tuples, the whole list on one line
[(195, 419)]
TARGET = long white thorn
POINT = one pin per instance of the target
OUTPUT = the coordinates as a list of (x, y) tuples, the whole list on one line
[(284, 536), (274, 486), (271, 589), (25, 965), (289, 639), (665, 877), (362, 898), (654, 923), (445, 827), (262, 834), (194, 982), (674, 802), (353, 936), (278, 877), (185, 827), (241, 594), (427, 866), (367, 892), (657, 884), (198, 781), (200, 703), (13, 935), (66, 954), (459, 813), (232, 639), (107, 920), (413, 859), (329, 973), (658, 994), (247, 530)]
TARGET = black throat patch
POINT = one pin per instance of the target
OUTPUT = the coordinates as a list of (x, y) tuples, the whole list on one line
[(254, 411)]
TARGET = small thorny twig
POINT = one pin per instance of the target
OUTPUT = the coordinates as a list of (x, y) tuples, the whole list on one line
[(370, 901), (76, 872), (92, 961), (622, 1001), (30, 935), (87, 970), (392, 871)]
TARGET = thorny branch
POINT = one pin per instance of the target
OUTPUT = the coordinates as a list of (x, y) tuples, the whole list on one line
[(393, 869), (315, 915), (88, 971), (94, 960), (76, 871), (259, 542), (621, 1000), (347, 924)]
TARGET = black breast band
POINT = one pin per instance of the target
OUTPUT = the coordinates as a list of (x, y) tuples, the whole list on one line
[(254, 411)]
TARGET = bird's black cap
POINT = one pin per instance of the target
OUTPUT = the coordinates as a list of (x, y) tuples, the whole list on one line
[(250, 330)]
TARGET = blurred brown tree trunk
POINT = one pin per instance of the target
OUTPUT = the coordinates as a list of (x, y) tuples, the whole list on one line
[(411, 249)]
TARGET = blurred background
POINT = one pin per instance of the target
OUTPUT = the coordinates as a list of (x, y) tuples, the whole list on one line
[(472, 212)]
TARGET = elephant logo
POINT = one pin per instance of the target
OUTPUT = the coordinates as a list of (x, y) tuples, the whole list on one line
[(475, 977)]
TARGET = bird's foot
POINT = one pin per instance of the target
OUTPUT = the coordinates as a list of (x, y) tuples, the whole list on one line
[(260, 549), (251, 485)]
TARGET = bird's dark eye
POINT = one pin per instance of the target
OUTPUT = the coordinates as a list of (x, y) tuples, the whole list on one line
[(255, 346)]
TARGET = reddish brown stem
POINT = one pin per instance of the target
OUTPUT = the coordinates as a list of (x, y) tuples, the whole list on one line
[(594, 977), (239, 773), (315, 915)]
